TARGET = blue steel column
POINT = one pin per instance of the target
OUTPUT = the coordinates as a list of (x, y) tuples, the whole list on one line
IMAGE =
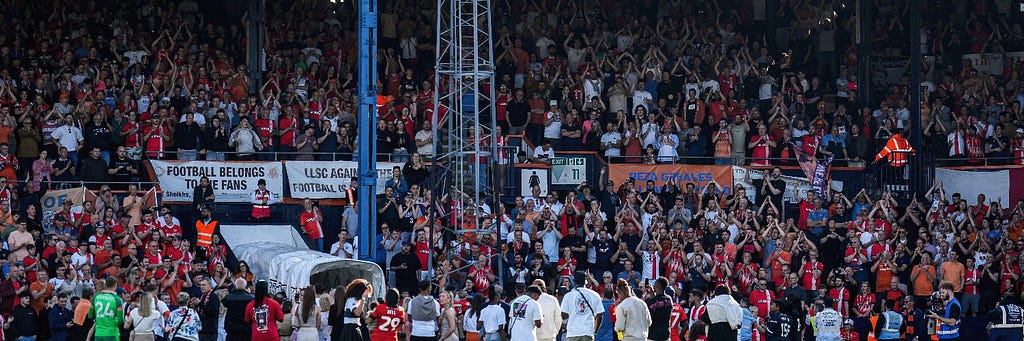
[(254, 51), (367, 126)]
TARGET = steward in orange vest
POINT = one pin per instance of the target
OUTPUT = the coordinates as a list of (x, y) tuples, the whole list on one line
[(206, 227), (261, 201), (896, 150)]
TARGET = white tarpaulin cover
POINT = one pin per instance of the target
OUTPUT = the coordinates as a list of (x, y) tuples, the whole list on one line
[(278, 254), (994, 184)]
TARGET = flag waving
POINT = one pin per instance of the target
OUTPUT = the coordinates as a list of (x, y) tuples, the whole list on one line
[(817, 171)]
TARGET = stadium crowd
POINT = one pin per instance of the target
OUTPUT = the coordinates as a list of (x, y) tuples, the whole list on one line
[(90, 89)]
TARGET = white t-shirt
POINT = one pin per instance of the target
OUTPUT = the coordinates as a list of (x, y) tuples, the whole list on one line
[(427, 149), (613, 138), (581, 304), (522, 317), (493, 317), (67, 136), (640, 97), (146, 324), (540, 153), (469, 322), (346, 251), (553, 130), (426, 328)]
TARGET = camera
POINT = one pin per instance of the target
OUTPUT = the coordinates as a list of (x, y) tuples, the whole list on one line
[(937, 304)]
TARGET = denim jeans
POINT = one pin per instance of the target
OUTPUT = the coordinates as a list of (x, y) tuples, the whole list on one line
[(187, 154), (319, 244), (483, 173), (214, 156), (400, 155)]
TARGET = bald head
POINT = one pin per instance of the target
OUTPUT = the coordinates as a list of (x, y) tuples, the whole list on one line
[(240, 283)]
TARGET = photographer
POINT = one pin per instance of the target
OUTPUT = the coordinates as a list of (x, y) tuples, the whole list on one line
[(949, 320)]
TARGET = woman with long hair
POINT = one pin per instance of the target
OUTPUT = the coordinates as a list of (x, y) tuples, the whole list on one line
[(264, 313), (145, 318), (244, 272), (351, 309), (469, 322), (42, 168), (307, 316), (449, 332), (335, 313)]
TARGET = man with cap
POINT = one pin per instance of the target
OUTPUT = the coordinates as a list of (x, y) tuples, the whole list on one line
[(848, 333), (1006, 322), (404, 265), (723, 315), (261, 200), (553, 124)]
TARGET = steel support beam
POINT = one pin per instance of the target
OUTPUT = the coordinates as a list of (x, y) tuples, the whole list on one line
[(254, 49), (367, 135)]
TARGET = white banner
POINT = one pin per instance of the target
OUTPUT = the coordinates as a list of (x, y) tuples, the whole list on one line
[(231, 181), (568, 170), (329, 179), (986, 64), (739, 177), (994, 184), (992, 63)]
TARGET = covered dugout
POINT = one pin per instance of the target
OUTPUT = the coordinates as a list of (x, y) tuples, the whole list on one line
[(278, 254)]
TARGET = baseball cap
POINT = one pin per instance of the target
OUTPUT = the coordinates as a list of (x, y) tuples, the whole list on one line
[(554, 102), (848, 322)]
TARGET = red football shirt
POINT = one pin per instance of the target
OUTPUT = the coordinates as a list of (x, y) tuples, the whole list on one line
[(388, 322), (264, 318)]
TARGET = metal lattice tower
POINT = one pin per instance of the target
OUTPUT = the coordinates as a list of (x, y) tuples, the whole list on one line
[(464, 121)]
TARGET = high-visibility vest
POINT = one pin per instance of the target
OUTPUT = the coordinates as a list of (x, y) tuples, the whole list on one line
[(1010, 317), (871, 331), (204, 232), (946, 331), (260, 210), (896, 151), (891, 328)]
